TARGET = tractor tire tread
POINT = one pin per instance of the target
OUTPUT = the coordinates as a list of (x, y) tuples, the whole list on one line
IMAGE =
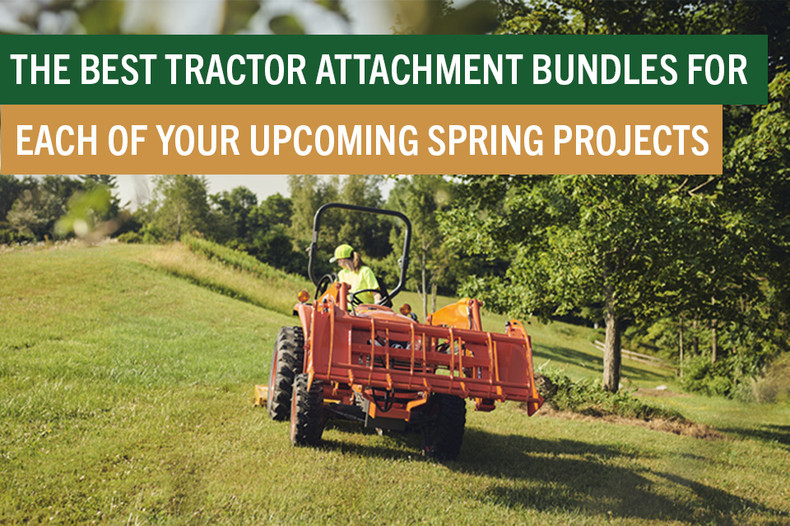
[(307, 423), (445, 435), (289, 356)]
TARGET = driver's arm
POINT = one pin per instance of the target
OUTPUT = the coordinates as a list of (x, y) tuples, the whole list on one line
[(368, 281)]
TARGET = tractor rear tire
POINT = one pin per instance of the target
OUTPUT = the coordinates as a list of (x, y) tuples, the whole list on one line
[(307, 406), (287, 362), (444, 435)]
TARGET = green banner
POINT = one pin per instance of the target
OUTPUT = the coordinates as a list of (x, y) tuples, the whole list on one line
[(249, 69)]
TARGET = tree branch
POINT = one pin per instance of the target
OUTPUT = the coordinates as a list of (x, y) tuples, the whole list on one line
[(691, 192)]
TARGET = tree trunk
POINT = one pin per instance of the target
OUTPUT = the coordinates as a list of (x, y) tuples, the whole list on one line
[(611, 349), (714, 341), (695, 339), (433, 297), (680, 344)]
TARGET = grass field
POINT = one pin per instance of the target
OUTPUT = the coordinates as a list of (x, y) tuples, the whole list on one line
[(126, 397)]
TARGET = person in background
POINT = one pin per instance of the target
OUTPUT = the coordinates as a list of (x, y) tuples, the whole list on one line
[(356, 273)]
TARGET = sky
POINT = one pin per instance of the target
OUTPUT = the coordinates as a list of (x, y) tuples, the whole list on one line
[(136, 189)]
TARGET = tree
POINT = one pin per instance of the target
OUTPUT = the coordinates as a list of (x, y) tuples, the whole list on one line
[(269, 223), (723, 276), (605, 242), (232, 210), (758, 173), (60, 186), (38, 203), (275, 210), (686, 17), (367, 233), (420, 198), (35, 211), (180, 205), (590, 18), (755, 193), (308, 193), (10, 189)]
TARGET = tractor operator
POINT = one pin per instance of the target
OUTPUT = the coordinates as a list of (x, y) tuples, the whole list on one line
[(356, 273)]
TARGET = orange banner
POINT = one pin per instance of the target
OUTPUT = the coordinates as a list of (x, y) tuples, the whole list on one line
[(361, 139)]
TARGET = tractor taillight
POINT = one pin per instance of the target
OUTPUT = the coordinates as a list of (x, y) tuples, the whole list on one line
[(303, 296), (405, 309)]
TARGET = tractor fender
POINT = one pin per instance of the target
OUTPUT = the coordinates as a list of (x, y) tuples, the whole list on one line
[(305, 313)]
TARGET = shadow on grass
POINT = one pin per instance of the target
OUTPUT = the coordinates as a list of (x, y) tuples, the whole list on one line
[(397, 445), (571, 475), (379, 451), (565, 355), (767, 433)]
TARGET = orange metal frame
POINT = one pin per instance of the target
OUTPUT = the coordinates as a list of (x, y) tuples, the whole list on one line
[(377, 349)]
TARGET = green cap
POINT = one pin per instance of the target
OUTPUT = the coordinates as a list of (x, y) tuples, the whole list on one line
[(342, 252)]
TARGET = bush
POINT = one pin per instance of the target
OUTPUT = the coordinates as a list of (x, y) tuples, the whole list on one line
[(10, 237), (588, 397), (774, 386), (130, 237), (275, 248), (152, 235), (712, 379)]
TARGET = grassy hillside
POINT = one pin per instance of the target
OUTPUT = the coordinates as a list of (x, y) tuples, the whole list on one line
[(231, 273), (126, 397)]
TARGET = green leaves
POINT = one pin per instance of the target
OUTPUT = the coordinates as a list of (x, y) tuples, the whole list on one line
[(180, 206), (85, 213)]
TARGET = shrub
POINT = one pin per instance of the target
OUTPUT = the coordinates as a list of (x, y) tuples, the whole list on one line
[(130, 237), (588, 397), (9, 237), (774, 386), (712, 379)]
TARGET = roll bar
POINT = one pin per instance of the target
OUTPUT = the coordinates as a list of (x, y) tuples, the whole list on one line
[(403, 262)]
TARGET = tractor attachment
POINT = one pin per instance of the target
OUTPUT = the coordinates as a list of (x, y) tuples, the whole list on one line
[(388, 354)]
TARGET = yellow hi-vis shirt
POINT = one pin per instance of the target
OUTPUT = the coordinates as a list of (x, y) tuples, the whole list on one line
[(364, 279)]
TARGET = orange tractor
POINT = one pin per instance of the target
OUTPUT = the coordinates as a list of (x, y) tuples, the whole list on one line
[(381, 368)]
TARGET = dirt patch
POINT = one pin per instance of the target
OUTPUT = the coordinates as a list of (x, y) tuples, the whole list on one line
[(657, 424)]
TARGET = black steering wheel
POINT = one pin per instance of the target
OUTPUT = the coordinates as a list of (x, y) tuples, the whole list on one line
[(323, 284), (356, 301)]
